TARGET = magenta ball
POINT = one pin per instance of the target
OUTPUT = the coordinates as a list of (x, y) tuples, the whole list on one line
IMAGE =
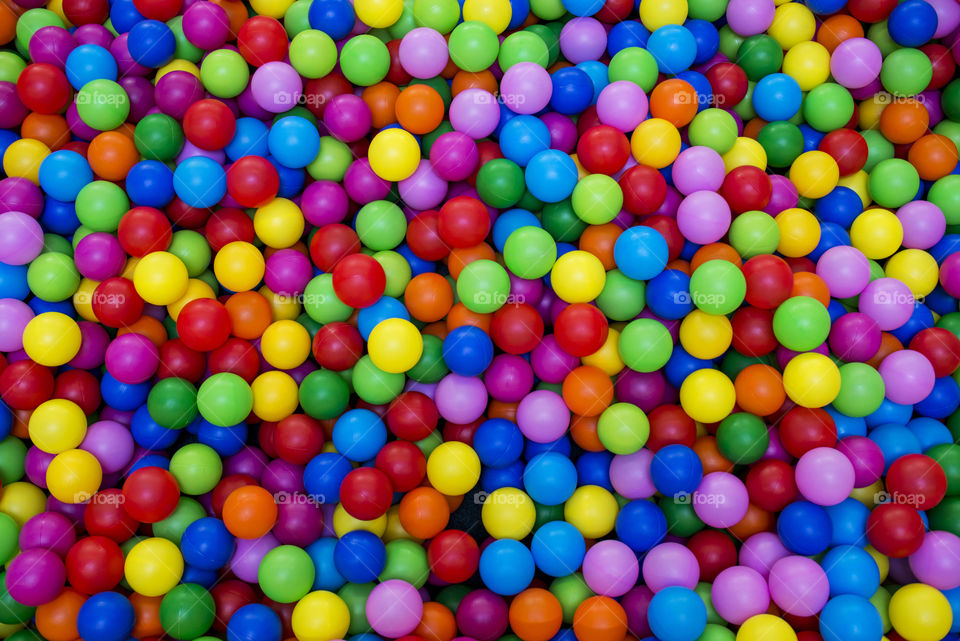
[(563, 131), (761, 551), (12, 111), (424, 189), (454, 156), (51, 45), (48, 531), (35, 465), (739, 593), (698, 169), (324, 202), (856, 62), (825, 476), (721, 500), (703, 217), (644, 389), (542, 416), (622, 104), (635, 603), (206, 25), (855, 337), (423, 52), (670, 564), (394, 608), (176, 91), (526, 88), (630, 475), (299, 521), (93, 346), (362, 184), (509, 378), (610, 568), (21, 238), (99, 256), (35, 577), (111, 443), (347, 117), (461, 399), (888, 301), (475, 112), (550, 362), (282, 477), (250, 461), (288, 272), (799, 586), (845, 270), (132, 358), (19, 194), (907, 376), (865, 456), (937, 562), (784, 195), (482, 615)]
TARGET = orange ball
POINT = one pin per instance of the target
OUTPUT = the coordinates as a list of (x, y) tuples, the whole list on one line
[(50, 129), (904, 121), (675, 101), (436, 624), (754, 521), (111, 155), (535, 615), (250, 314), (428, 296), (888, 345), (464, 80), (149, 327), (933, 155), (759, 389), (382, 100), (836, 29), (680, 265), (419, 109), (715, 251), (753, 127), (249, 512), (57, 620), (459, 316), (146, 609), (460, 257), (599, 241), (8, 21), (501, 409), (587, 390), (710, 456), (424, 512), (809, 284), (600, 618), (583, 429), (236, 14)]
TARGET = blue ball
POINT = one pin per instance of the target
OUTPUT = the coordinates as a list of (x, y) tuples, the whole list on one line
[(250, 139), (324, 474), (599, 77), (889, 412), (640, 252), (851, 570), (322, 553), (467, 350), (560, 446), (6, 421), (494, 478), (386, 307), (895, 441), (626, 34), (510, 221), (149, 183), (200, 181), (498, 442), (850, 618), (572, 91), (701, 87), (841, 206), (293, 140), (360, 556), (777, 97), (929, 432), (226, 441), (203, 578), (593, 468), (949, 244), (673, 47), (831, 235), (523, 137), (681, 365), (677, 614), (64, 173), (106, 616), (519, 10), (826, 7), (150, 460), (551, 176), (550, 478), (848, 522), (953, 596), (333, 17), (558, 548), (804, 528), (254, 622), (506, 567), (920, 319), (59, 217), (676, 470), (206, 544), (583, 7), (125, 397), (291, 179), (65, 307), (123, 15), (707, 38), (641, 525), (151, 43), (912, 23), (417, 265), (668, 294), (942, 401), (149, 434), (811, 137), (13, 281), (90, 62)]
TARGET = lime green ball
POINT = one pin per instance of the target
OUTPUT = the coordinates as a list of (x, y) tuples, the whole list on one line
[(406, 560), (753, 233), (313, 53), (428, 443), (473, 46), (397, 270), (906, 72), (530, 252), (879, 33), (597, 199), (405, 24), (100, 205), (622, 298), (297, 18), (31, 21), (827, 107), (192, 249), (801, 323), (187, 611), (709, 10), (224, 73), (102, 104), (547, 9), (185, 50), (374, 385), (324, 395), (878, 149), (713, 128), (197, 468), (483, 286), (744, 108), (440, 15), (562, 222), (634, 64), (623, 428), (730, 42), (53, 277), (381, 225), (286, 574), (172, 528), (945, 194), (645, 345), (364, 60), (571, 591), (894, 182), (321, 303), (861, 390), (224, 399), (523, 46), (718, 287), (10, 66), (332, 160), (742, 438), (158, 137)]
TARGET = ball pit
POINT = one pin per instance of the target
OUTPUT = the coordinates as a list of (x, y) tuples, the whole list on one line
[(499, 320)]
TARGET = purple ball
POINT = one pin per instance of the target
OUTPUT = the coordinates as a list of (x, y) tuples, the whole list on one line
[(12, 111), (630, 474), (923, 224), (132, 358), (176, 91), (550, 363), (454, 156), (635, 603), (248, 554), (866, 457), (908, 376), (36, 576), (288, 272), (563, 131), (79, 128), (623, 105), (48, 531), (52, 45), (93, 346), (14, 316), (111, 443), (739, 593), (761, 551), (276, 86), (525, 290), (99, 256), (424, 189), (282, 477), (206, 25), (125, 62), (299, 520), (482, 615), (250, 461), (526, 88), (508, 378), (543, 416), (583, 39), (93, 34), (475, 112), (645, 390), (347, 117), (35, 464), (721, 500), (784, 195), (855, 337), (140, 92), (845, 270), (889, 302), (19, 194), (362, 184), (461, 399), (324, 202), (799, 586), (937, 562), (670, 564)]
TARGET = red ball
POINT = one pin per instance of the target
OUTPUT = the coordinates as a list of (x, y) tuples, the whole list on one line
[(262, 39), (105, 516), (81, 12), (186, 216), (943, 64), (81, 387), (668, 228), (614, 11), (252, 181), (580, 329), (403, 463), (746, 188), (462, 432), (150, 494), (463, 222), (143, 230), (895, 530), (265, 438), (359, 280), (644, 190), (729, 83), (871, 10), (454, 556), (412, 416), (941, 347), (848, 148), (516, 328), (424, 237), (753, 331), (670, 425), (116, 302), (209, 124), (228, 597), (603, 150), (587, 120), (161, 10), (803, 429), (366, 493), (94, 564), (228, 225), (298, 438), (25, 384), (771, 485), (331, 244), (43, 88), (203, 324), (916, 480), (236, 356), (337, 346), (179, 361), (769, 281), (715, 552), (396, 74)]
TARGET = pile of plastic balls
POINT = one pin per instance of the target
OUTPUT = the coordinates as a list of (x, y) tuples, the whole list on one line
[(480, 320)]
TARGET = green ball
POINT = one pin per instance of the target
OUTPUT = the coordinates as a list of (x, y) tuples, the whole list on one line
[(483, 286), (100, 206), (332, 160), (634, 64), (405, 24), (950, 101), (645, 345), (571, 591), (906, 72), (428, 443), (297, 18), (25, 634), (714, 128), (197, 468), (451, 596), (473, 46), (744, 108), (621, 298), (8, 538), (406, 560), (313, 53), (13, 451), (500, 182), (381, 225), (224, 73), (10, 66), (173, 527), (759, 56), (734, 362), (948, 456), (53, 277), (703, 591), (945, 194), (878, 149), (950, 128), (597, 199), (682, 519), (946, 515), (549, 38), (783, 142), (192, 249), (827, 107), (158, 137), (172, 403), (57, 243), (894, 182), (286, 574), (880, 35), (224, 399), (730, 42), (523, 46), (861, 390), (709, 10), (397, 270), (374, 385), (185, 49), (103, 104), (187, 611), (440, 15), (31, 21), (562, 222), (426, 143), (546, 513), (742, 438), (321, 303), (364, 60), (430, 368), (324, 395), (718, 287), (717, 632), (355, 595), (547, 9), (623, 428), (530, 252), (801, 323), (753, 233), (12, 612)]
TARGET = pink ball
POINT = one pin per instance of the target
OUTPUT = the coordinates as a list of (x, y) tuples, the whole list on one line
[(248, 554), (526, 88), (845, 270), (550, 362), (394, 608), (509, 378), (542, 416), (288, 272), (347, 117), (423, 52), (784, 195), (721, 500), (923, 224), (799, 586), (94, 341), (583, 39), (461, 399), (750, 17), (424, 189), (324, 202), (475, 112), (739, 593), (132, 358), (890, 302), (670, 564), (21, 238), (206, 25), (610, 568), (454, 156), (622, 104), (865, 456), (630, 475), (111, 444), (907, 376), (703, 217), (698, 169), (48, 531), (855, 337), (276, 87), (856, 62), (14, 316), (761, 551), (937, 562), (825, 476)]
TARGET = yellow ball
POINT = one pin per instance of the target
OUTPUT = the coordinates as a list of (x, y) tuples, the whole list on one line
[(238, 266), (23, 157), (273, 8), (883, 562), (877, 233), (494, 13), (592, 510), (508, 513), (177, 65), (279, 223), (153, 566), (808, 63), (57, 425), (74, 476), (282, 307), (871, 109), (196, 288), (792, 24), (51, 339), (814, 173), (607, 358), (83, 300), (920, 612), (285, 344), (707, 395), (859, 183), (916, 268), (394, 154), (578, 277), (275, 396), (453, 468), (378, 14), (343, 523), (765, 627), (657, 13), (745, 152), (705, 335), (655, 142), (22, 501), (395, 345), (799, 232), (395, 529), (320, 616), (160, 278), (811, 380)]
